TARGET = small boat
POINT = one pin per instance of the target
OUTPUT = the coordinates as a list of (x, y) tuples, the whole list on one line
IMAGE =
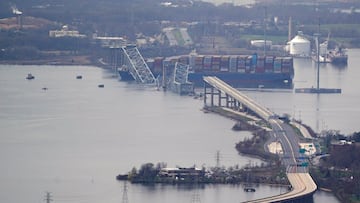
[(338, 56), (248, 185), (30, 76), (249, 189), (101, 86), (79, 77)]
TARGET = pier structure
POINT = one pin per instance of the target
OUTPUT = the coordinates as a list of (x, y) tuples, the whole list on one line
[(302, 185)]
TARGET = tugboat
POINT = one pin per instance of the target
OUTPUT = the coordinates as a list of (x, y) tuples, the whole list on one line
[(338, 56), (30, 76)]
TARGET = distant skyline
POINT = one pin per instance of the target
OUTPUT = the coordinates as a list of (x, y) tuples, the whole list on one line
[(236, 2), (244, 2)]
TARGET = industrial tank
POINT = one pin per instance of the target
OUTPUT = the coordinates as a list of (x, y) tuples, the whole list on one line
[(299, 46)]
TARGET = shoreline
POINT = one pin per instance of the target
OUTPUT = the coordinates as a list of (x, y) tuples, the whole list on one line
[(79, 60)]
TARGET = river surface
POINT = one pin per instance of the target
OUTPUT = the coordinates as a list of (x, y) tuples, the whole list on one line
[(74, 138)]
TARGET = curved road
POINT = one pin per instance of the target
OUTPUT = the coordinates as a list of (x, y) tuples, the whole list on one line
[(300, 180)]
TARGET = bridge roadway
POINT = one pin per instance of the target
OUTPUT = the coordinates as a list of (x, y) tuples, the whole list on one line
[(300, 180)]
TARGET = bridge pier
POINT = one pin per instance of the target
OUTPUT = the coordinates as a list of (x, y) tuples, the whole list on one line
[(216, 97), (223, 99)]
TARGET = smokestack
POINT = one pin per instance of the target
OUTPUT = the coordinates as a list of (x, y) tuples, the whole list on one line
[(20, 21), (18, 14), (16, 11)]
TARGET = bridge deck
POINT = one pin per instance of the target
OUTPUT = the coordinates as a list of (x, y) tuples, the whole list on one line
[(264, 113), (301, 182), (302, 185)]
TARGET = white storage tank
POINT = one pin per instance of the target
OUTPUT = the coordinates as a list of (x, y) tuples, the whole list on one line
[(299, 46), (260, 43)]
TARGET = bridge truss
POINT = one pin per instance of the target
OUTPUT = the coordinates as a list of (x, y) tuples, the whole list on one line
[(181, 73), (137, 66), (179, 81)]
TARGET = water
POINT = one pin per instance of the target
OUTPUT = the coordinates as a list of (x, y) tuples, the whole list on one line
[(324, 111), (74, 138)]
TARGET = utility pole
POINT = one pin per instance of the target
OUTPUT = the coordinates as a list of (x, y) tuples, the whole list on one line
[(48, 197)]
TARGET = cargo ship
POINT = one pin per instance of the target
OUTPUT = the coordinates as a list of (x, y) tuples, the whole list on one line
[(242, 71)]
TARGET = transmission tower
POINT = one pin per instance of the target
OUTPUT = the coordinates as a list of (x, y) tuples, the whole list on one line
[(218, 158), (125, 197), (195, 198), (48, 197)]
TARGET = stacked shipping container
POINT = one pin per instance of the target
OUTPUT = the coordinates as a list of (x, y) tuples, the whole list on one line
[(251, 64), (216, 60), (237, 70), (287, 65), (233, 64), (269, 64)]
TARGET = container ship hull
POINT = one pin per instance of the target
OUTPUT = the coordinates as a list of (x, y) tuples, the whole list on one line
[(244, 80), (242, 71), (125, 75)]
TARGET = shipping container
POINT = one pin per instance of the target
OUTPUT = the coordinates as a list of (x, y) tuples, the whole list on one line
[(277, 65), (224, 63), (248, 65), (260, 65), (269, 64), (233, 64), (241, 64), (216, 60), (287, 65), (239, 71), (287, 61), (199, 63), (184, 59), (269, 60), (207, 62), (199, 60)]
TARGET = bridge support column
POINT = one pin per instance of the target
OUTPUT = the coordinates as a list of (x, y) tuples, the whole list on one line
[(223, 99), (219, 97), (206, 93)]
